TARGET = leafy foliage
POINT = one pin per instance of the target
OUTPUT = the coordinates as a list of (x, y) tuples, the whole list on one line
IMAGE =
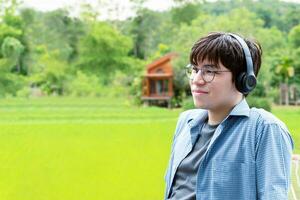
[(49, 73), (103, 51), (294, 36), (57, 53)]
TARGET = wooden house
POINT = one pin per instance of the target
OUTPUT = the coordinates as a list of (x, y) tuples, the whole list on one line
[(158, 81)]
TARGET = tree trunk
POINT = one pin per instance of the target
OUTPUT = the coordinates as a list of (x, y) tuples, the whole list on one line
[(280, 93), (287, 93), (284, 94)]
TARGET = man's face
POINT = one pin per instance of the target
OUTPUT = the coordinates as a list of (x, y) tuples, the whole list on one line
[(216, 95)]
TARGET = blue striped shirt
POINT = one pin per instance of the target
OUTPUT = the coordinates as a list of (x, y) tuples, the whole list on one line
[(249, 155)]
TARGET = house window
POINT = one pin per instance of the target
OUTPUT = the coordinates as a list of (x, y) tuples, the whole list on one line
[(159, 87), (152, 87), (159, 71), (166, 86)]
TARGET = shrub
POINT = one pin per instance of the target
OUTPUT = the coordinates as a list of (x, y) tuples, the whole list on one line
[(11, 83), (24, 92), (83, 85), (259, 102)]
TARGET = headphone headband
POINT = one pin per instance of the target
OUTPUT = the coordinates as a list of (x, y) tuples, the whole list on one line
[(246, 81), (246, 53)]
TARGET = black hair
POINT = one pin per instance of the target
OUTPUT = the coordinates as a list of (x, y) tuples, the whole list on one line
[(220, 47)]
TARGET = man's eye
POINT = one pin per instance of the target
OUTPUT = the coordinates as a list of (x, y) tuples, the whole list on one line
[(194, 69), (210, 72)]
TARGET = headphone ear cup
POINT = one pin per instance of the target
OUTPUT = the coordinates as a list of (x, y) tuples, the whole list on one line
[(245, 83), (250, 83), (240, 82)]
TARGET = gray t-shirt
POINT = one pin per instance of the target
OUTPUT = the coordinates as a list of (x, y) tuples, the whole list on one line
[(184, 183)]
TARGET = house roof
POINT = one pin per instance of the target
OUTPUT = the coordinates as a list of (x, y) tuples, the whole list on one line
[(161, 60), (157, 75)]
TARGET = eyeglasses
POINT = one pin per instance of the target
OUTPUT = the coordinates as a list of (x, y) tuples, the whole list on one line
[(207, 73)]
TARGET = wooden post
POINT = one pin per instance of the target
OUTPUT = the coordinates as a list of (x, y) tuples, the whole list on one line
[(170, 87), (148, 87)]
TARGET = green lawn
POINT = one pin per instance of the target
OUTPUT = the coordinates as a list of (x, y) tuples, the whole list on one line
[(291, 117), (89, 149), (85, 149)]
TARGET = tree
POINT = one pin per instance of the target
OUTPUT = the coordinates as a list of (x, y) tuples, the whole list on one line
[(286, 70), (11, 24), (12, 50), (145, 31), (55, 29), (294, 36), (103, 51), (50, 72), (185, 13), (8, 31)]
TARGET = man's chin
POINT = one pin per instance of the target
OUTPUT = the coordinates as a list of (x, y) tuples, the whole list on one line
[(199, 105)]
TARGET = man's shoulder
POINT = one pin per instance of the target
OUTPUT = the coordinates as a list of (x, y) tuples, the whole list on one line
[(268, 121), (266, 118)]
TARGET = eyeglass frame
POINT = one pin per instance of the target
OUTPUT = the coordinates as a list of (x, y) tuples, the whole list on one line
[(203, 70)]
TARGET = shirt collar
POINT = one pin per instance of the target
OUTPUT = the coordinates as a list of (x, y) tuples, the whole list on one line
[(241, 109), (197, 118)]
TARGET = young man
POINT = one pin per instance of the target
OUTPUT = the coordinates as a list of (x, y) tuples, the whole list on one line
[(224, 150)]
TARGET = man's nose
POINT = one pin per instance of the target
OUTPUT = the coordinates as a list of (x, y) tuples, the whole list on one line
[(198, 79)]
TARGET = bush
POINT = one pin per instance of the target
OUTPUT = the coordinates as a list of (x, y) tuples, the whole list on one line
[(136, 90), (274, 95), (259, 102), (24, 92), (11, 83), (83, 85)]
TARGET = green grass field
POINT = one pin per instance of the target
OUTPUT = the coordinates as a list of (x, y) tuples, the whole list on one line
[(89, 149)]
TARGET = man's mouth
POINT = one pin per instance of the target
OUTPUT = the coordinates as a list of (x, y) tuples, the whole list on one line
[(199, 92)]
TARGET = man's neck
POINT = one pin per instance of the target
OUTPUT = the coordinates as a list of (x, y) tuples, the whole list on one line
[(218, 115)]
